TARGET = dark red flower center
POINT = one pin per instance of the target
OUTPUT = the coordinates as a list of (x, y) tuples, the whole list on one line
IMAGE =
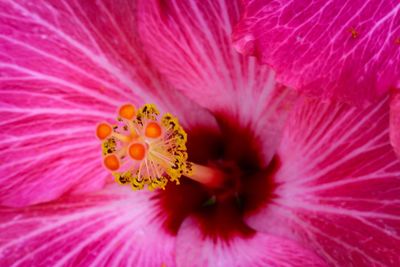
[(220, 212)]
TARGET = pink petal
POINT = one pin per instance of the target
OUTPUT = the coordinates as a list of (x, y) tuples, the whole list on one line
[(395, 121), (65, 66), (190, 43), (194, 249), (114, 227), (338, 188), (270, 120), (348, 50)]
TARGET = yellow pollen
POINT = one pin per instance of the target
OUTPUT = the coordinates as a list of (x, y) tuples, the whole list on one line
[(103, 131), (127, 111), (137, 151), (111, 162), (153, 130), (144, 148)]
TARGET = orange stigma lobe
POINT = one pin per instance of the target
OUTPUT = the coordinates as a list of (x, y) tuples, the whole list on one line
[(111, 162), (153, 130), (137, 151), (103, 131), (127, 111)]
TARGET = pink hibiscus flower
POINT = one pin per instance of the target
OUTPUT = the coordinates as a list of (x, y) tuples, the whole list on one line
[(315, 183)]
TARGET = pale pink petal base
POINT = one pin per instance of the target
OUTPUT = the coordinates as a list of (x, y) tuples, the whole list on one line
[(196, 250), (343, 49), (190, 43), (395, 121), (338, 188), (113, 227), (268, 119)]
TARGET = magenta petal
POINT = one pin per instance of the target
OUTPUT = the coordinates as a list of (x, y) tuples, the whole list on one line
[(338, 188), (47, 150), (57, 81), (348, 50), (114, 227), (395, 121), (190, 43), (65, 66), (196, 250)]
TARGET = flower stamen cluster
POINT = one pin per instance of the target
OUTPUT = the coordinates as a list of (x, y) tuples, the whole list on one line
[(143, 150)]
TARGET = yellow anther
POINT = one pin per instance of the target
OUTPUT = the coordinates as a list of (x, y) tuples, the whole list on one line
[(103, 130), (127, 111), (147, 112), (109, 146), (123, 178)]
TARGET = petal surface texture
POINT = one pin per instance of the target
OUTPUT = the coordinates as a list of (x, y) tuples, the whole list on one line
[(65, 66), (349, 50), (190, 43), (395, 121), (196, 250), (98, 229), (338, 188)]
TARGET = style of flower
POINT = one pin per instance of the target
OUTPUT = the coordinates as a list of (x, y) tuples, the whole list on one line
[(305, 182)]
